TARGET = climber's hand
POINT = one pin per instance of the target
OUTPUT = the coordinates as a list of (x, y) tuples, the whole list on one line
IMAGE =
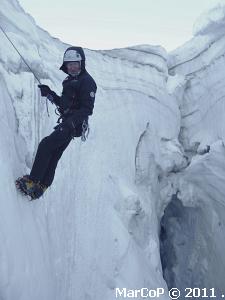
[(45, 90)]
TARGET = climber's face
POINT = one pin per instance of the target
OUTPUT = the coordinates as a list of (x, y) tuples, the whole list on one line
[(73, 67)]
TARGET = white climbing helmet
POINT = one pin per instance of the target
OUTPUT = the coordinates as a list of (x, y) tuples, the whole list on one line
[(71, 55)]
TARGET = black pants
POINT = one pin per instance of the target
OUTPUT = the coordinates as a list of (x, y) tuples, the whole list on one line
[(49, 151)]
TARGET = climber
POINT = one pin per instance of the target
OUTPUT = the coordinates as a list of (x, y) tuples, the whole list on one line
[(74, 105)]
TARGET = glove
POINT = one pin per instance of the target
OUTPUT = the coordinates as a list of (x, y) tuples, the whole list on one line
[(45, 90)]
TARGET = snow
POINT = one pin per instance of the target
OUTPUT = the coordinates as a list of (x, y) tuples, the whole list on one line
[(211, 21), (200, 62), (199, 241), (97, 228)]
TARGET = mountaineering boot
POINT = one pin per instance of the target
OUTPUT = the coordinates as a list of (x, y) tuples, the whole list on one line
[(37, 190), (24, 184), (30, 188)]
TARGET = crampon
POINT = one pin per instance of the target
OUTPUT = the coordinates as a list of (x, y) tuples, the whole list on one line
[(30, 188)]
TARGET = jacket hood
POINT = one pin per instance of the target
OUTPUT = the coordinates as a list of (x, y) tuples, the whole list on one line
[(81, 52)]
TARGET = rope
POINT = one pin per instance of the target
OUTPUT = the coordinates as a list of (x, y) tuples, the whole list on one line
[(25, 64), (20, 55), (46, 99)]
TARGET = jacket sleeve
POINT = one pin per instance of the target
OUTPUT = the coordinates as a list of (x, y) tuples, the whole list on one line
[(54, 98), (87, 98)]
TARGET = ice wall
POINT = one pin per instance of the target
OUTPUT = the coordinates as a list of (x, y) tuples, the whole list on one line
[(194, 227), (155, 150), (97, 227)]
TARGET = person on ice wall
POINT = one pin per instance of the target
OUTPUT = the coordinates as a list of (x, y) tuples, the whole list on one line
[(75, 105)]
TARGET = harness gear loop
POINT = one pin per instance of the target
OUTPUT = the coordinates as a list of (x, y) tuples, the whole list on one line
[(57, 113), (85, 131)]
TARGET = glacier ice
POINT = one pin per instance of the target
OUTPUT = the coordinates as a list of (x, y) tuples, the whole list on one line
[(143, 184)]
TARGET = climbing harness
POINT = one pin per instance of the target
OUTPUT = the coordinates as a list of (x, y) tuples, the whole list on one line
[(85, 125)]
